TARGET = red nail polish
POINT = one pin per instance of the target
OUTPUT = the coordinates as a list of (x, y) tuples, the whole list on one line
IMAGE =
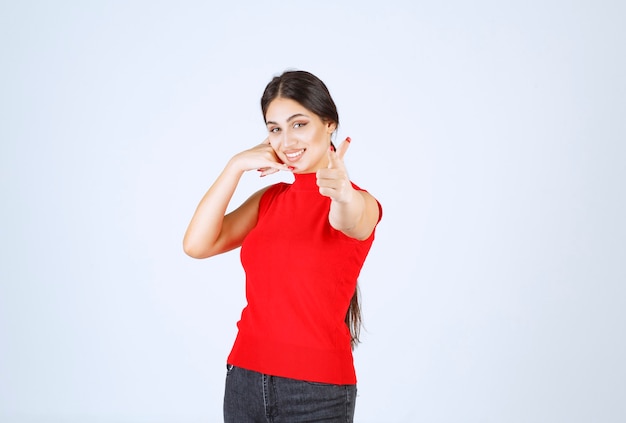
[(348, 139), (332, 147), (290, 167)]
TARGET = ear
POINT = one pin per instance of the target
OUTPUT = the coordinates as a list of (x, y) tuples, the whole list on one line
[(331, 126)]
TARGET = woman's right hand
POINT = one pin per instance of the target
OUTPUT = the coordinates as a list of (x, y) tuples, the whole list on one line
[(212, 231), (262, 157)]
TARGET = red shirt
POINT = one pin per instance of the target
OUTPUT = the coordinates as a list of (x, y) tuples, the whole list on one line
[(300, 276)]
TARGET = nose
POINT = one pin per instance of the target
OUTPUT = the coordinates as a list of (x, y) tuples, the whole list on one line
[(287, 139)]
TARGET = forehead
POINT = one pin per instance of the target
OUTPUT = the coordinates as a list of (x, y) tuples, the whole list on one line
[(281, 109)]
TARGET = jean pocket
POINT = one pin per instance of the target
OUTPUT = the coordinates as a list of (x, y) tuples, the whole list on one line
[(328, 385)]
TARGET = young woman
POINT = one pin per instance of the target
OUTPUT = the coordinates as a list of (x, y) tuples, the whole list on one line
[(302, 247)]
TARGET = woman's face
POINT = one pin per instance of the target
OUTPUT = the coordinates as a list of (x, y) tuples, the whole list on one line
[(300, 138)]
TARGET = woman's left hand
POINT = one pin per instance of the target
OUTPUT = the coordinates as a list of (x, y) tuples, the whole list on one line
[(333, 181), (353, 212)]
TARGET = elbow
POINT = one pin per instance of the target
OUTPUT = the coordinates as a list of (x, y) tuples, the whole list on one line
[(193, 250), (199, 247), (190, 251)]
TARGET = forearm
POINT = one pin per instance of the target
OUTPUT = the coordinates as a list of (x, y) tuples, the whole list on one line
[(346, 215), (202, 235)]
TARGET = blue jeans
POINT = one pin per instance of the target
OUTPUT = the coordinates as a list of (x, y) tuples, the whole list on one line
[(255, 397)]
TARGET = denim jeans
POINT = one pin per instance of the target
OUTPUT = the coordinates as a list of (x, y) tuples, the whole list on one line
[(255, 397)]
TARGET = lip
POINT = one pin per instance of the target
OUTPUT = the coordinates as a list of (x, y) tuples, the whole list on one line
[(293, 156)]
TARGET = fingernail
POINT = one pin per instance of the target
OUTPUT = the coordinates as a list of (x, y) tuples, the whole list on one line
[(290, 167), (348, 139), (332, 147)]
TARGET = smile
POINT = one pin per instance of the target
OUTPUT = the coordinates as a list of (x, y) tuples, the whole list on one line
[(294, 155)]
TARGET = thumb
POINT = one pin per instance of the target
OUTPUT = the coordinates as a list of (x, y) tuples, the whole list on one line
[(335, 158)]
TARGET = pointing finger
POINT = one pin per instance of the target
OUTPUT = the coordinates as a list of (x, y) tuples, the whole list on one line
[(341, 151)]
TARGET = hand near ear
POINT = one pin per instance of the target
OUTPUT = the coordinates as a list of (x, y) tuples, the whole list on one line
[(260, 157)]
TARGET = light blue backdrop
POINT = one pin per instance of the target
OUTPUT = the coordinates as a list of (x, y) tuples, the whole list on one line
[(493, 133)]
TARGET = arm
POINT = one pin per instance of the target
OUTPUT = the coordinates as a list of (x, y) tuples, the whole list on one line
[(353, 212), (356, 217), (210, 231)]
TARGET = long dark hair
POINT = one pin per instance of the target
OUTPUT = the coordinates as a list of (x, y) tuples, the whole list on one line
[(308, 90)]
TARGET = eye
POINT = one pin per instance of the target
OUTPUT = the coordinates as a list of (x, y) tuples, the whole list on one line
[(274, 130), (299, 124)]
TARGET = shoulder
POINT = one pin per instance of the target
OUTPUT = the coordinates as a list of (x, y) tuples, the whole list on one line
[(373, 201)]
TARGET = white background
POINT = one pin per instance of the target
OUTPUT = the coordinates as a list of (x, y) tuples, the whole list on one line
[(493, 133)]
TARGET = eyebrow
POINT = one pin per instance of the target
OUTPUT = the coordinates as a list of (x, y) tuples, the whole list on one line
[(297, 115)]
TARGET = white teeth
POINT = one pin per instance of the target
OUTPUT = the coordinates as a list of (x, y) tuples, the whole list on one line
[(294, 155)]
